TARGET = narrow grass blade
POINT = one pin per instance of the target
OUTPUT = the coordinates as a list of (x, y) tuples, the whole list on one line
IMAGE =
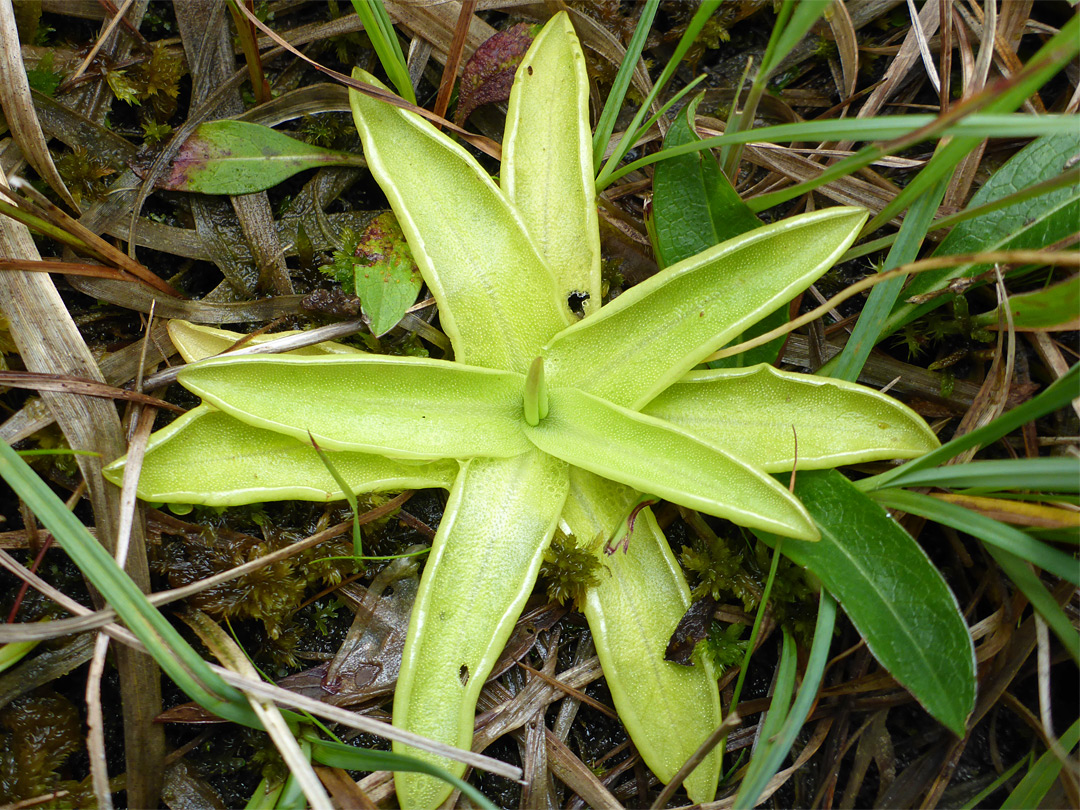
[(172, 653), (1057, 474), (351, 758), (1057, 395), (606, 125), (986, 529), (380, 30), (1032, 789)]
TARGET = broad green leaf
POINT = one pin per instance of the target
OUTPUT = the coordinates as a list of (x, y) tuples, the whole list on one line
[(385, 276), (196, 341), (892, 593), (1030, 224), (403, 407), (758, 414), (468, 240), (235, 157), (671, 322), (547, 160), (1050, 309), (632, 613), (208, 457), (658, 458), (482, 567), (694, 206)]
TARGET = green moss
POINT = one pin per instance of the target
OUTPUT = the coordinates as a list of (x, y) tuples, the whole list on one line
[(569, 569)]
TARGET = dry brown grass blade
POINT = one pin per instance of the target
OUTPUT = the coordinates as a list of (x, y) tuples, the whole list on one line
[(436, 23), (847, 46), (453, 57), (19, 109), (43, 207), (566, 765), (49, 342), (63, 384), (209, 53)]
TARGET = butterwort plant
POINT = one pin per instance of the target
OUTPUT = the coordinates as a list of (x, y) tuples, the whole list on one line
[(543, 421)]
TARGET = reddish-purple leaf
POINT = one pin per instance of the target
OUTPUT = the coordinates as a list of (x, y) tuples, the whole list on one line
[(489, 73)]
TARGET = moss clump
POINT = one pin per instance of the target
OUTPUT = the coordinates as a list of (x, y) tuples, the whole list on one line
[(569, 569), (38, 734)]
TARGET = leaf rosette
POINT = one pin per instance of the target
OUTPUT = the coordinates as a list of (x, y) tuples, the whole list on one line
[(542, 421)]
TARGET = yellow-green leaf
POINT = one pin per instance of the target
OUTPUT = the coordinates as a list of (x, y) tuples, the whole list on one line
[(197, 341), (483, 564), (468, 240), (671, 322), (403, 407), (756, 414), (658, 458), (547, 160), (668, 709), (207, 457)]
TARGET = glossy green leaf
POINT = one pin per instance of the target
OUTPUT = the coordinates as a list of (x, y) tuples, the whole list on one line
[(893, 594), (547, 159), (658, 458), (1052, 308), (1030, 224), (208, 457), (196, 341), (483, 564), (632, 612), (468, 240), (694, 206), (235, 157), (671, 322), (757, 413), (403, 407), (385, 276)]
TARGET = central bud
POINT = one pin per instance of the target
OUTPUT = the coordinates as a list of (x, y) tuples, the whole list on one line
[(536, 396)]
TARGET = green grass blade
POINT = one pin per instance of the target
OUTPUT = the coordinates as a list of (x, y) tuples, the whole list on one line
[(1033, 788), (1057, 395), (175, 656), (701, 16), (1040, 598), (340, 755), (380, 30), (606, 125), (773, 755), (920, 127), (1057, 474), (990, 531), (883, 297)]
